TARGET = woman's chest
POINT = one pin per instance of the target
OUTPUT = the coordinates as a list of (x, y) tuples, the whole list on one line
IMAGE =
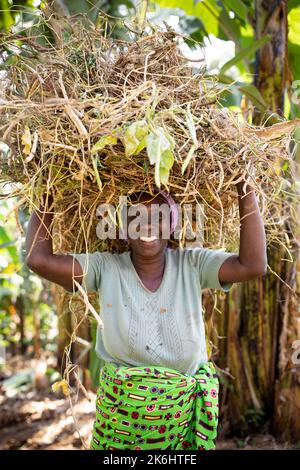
[(151, 285), (166, 316), (154, 329), (130, 307)]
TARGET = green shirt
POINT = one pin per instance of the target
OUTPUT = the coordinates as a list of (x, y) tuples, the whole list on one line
[(165, 327)]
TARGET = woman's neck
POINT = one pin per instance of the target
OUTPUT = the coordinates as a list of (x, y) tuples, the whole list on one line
[(149, 268)]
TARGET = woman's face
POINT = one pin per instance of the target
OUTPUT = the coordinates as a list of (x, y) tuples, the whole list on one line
[(148, 226)]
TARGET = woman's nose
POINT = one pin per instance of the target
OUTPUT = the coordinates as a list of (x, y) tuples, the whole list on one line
[(149, 230)]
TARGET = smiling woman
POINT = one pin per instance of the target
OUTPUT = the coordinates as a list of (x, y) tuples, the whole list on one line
[(149, 234), (158, 387), (155, 212)]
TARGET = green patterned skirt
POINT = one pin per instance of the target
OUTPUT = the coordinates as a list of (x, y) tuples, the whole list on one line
[(150, 408)]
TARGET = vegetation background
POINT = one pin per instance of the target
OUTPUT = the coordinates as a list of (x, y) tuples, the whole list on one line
[(253, 46)]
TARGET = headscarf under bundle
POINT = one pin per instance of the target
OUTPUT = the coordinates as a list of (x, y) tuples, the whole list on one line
[(173, 207)]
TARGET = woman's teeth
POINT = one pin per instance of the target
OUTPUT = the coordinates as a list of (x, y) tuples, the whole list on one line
[(148, 239)]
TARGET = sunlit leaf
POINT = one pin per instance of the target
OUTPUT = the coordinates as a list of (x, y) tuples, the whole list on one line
[(160, 147), (103, 142), (245, 53), (6, 17), (134, 137), (26, 141), (167, 160), (63, 385), (238, 7), (250, 91)]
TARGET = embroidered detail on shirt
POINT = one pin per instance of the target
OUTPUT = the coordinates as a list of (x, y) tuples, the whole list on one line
[(154, 338), (160, 330)]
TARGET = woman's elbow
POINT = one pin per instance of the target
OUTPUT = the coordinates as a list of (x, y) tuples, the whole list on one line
[(259, 271), (34, 263)]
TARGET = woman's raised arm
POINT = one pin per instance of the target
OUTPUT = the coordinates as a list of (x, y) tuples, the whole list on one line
[(252, 259), (61, 269)]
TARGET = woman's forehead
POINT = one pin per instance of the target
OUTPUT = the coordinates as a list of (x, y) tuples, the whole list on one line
[(150, 207), (147, 207), (147, 199)]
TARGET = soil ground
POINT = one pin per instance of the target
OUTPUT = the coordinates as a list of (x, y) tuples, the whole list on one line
[(39, 419)]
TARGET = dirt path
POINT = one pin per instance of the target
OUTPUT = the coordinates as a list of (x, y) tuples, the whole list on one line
[(41, 419)]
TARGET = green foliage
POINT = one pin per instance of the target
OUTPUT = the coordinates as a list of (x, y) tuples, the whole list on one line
[(13, 11), (160, 146), (20, 290), (294, 40), (245, 53), (20, 14), (227, 20), (254, 419), (103, 142), (135, 137), (234, 20), (213, 17)]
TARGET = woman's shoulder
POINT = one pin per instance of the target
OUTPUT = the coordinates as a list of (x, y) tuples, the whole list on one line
[(182, 255), (187, 257), (99, 257), (185, 252)]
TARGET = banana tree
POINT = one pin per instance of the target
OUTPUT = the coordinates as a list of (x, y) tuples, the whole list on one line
[(260, 318)]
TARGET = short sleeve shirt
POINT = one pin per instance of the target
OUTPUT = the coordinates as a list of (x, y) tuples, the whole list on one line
[(165, 327)]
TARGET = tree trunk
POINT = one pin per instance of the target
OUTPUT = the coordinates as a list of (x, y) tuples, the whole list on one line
[(81, 347), (71, 322), (260, 318), (36, 338), (284, 393), (286, 417), (271, 59), (20, 308), (64, 325)]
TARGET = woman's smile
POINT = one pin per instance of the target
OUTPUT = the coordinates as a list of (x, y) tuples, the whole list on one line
[(148, 242), (148, 239)]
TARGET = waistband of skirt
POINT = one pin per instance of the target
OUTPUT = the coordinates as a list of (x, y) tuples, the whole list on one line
[(123, 372)]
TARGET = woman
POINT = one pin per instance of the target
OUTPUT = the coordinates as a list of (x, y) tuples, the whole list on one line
[(158, 389)]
